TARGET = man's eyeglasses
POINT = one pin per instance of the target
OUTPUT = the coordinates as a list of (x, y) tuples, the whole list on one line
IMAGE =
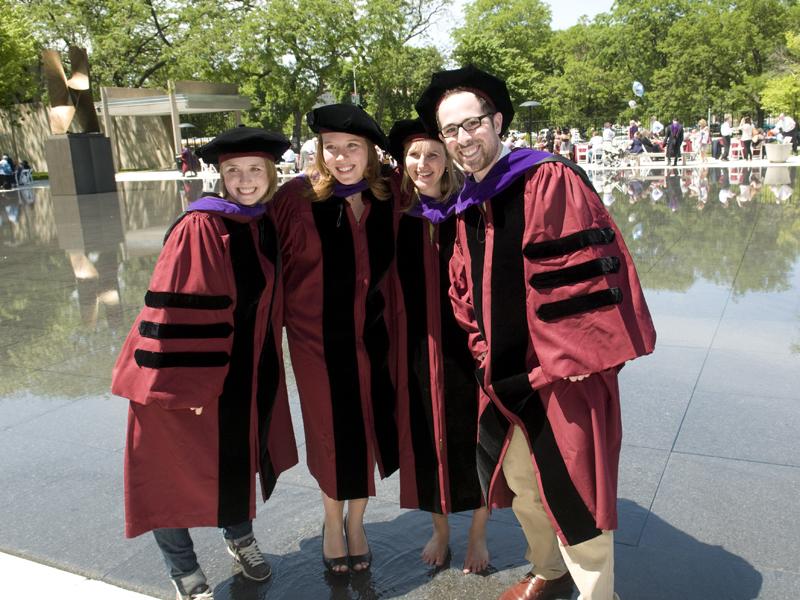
[(468, 125)]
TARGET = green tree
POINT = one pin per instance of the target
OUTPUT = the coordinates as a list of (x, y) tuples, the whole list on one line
[(130, 43), (509, 38), (18, 57), (303, 44), (781, 93), (587, 86), (391, 73), (718, 54)]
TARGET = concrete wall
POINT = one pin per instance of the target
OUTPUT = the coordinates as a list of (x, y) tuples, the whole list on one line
[(142, 142)]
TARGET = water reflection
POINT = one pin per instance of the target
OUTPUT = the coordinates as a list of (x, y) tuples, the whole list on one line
[(74, 270), (676, 187), (685, 224)]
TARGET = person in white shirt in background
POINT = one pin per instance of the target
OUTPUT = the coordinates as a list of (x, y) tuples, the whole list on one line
[(595, 146), (608, 133), (746, 133), (289, 158), (787, 126), (656, 127), (726, 131), (703, 139), (307, 151)]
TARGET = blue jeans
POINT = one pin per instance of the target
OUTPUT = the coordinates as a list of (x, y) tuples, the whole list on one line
[(178, 549)]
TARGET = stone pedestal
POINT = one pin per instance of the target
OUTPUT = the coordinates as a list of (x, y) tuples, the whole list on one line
[(80, 163)]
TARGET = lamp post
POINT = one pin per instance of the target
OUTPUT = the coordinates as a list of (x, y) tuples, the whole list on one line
[(530, 104), (352, 58), (355, 89)]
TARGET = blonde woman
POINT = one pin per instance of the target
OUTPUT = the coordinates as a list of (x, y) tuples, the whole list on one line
[(438, 411), (203, 370), (337, 243), (703, 139)]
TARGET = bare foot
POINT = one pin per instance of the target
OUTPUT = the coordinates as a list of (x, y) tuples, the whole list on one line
[(435, 551), (477, 559)]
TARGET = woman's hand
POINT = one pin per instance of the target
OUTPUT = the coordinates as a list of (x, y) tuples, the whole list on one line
[(198, 411)]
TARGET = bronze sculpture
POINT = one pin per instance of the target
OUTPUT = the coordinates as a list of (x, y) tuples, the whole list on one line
[(70, 98)]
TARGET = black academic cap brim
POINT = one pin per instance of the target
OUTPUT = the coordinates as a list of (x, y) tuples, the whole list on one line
[(469, 78), (402, 132), (244, 139), (347, 118)]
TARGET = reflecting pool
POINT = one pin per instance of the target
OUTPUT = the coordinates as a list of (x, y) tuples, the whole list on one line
[(710, 419)]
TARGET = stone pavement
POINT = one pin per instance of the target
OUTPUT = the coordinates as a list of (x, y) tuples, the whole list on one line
[(710, 464)]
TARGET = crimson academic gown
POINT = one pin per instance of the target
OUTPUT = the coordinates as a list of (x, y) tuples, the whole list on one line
[(208, 336), (337, 310), (545, 287), (437, 413)]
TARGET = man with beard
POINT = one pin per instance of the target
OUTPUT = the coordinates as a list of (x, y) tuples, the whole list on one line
[(544, 285)]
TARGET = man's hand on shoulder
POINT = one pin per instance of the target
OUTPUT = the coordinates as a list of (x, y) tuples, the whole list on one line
[(574, 378)]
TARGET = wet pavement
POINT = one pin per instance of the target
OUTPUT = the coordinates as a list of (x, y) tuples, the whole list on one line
[(710, 466)]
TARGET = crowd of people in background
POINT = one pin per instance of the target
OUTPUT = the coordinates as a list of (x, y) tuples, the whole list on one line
[(702, 141), (13, 173), (624, 144)]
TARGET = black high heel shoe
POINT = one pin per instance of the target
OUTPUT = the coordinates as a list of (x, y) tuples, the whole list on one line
[(332, 563), (356, 559)]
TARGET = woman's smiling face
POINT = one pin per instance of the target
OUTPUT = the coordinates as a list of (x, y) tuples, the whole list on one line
[(345, 155), (246, 179), (425, 162)]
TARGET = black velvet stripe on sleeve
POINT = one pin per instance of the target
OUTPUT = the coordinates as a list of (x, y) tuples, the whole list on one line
[(570, 243), (579, 304), (194, 301), (235, 468), (339, 347), (380, 244), (167, 331), (411, 270), (166, 360), (578, 273)]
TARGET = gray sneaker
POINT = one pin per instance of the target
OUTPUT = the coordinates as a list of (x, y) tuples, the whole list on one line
[(193, 587), (200, 592), (248, 557)]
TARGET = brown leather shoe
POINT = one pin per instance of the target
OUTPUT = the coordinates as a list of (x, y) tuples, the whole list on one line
[(536, 588)]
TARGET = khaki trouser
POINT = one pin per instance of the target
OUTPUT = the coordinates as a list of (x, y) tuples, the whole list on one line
[(591, 563)]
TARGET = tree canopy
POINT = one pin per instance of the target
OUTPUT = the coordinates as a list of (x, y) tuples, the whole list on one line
[(18, 57), (693, 56)]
